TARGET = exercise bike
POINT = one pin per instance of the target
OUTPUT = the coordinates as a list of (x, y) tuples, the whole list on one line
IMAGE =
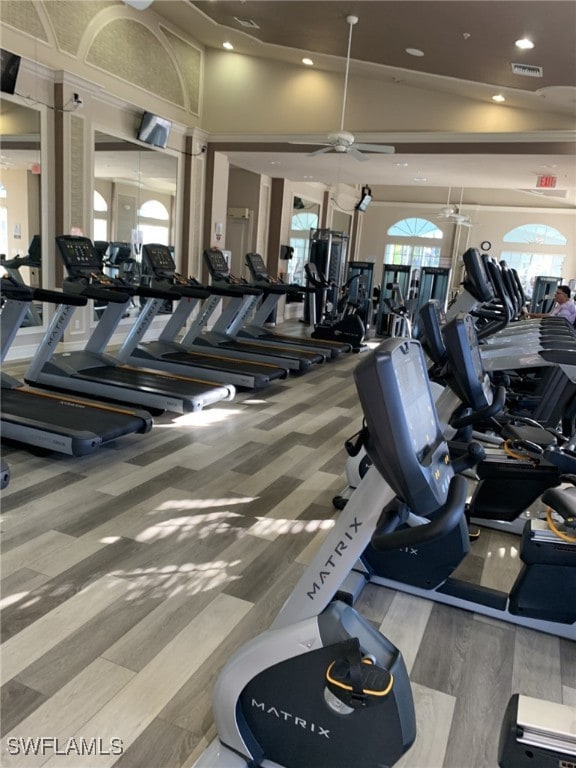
[(542, 595), (322, 687)]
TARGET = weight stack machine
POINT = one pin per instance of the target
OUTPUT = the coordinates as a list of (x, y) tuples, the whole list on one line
[(328, 251)]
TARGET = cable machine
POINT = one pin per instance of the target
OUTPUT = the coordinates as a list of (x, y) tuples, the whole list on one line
[(395, 281)]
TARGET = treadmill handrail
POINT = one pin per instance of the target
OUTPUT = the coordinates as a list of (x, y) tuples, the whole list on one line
[(27, 293), (104, 294)]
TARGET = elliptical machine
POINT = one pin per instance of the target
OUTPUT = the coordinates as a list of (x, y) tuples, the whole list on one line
[(322, 687), (339, 320)]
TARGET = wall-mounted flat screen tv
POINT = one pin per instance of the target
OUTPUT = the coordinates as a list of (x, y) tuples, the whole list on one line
[(154, 130), (9, 66), (365, 200)]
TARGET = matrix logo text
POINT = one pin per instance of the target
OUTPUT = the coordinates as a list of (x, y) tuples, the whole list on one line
[(49, 745)]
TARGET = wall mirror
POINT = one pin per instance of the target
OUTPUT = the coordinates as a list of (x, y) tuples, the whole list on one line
[(305, 216), (20, 198), (134, 203)]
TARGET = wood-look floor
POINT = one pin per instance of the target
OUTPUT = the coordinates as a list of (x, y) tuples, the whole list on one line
[(128, 578)]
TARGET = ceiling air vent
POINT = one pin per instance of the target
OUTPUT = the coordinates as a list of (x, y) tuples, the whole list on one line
[(249, 23), (527, 70)]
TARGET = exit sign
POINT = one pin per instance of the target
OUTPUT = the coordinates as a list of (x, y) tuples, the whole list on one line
[(546, 182)]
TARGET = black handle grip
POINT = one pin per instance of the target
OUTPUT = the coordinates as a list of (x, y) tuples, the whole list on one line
[(104, 294), (490, 410), (447, 518)]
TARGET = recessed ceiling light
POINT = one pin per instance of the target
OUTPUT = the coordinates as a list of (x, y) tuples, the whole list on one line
[(401, 165), (228, 46), (308, 62), (419, 178), (414, 52), (499, 98), (524, 43)]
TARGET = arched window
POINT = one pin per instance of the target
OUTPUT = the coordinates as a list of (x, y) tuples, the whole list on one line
[(154, 222), (534, 250), (540, 234), (411, 247), (100, 209), (300, 226)]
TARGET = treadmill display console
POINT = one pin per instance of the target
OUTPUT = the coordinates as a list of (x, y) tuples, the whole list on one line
[(159, 258), (257, 266), (216, 263), (79, 256)]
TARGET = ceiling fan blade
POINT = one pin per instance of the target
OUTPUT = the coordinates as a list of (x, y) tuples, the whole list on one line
[(356, 154), (312, 143), (385, 149), (327, 148)]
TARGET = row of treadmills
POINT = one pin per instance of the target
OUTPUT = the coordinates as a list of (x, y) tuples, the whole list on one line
[(199, 358)]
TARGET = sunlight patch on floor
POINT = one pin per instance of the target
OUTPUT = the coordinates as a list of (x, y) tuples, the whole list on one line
[(503, 553), (204, 418), (266, 526), (188, 579), (202, 503), (197, 526)]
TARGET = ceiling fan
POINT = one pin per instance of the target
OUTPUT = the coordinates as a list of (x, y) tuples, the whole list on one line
[(451, 212), (342, 141)]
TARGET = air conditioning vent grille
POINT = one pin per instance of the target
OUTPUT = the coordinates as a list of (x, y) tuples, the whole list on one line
[(249, 23), (527, 70)]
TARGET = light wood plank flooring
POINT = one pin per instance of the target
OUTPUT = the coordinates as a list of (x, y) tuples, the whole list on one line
[(130, 576)]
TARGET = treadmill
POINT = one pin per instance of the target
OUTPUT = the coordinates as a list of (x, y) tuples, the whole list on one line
[(45, 420), (272, 291), (92, 371), (12, 267), (167, 353), (224, 334)]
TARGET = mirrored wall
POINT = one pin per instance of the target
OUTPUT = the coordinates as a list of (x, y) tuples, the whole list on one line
[(134, 197), (20, 198), (134, 203)]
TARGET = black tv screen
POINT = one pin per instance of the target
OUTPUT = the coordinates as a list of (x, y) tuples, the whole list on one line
[(154, 130), (9, 66)]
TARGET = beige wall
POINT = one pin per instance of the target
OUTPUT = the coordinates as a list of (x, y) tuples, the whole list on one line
[(488, 224), (294, 100)]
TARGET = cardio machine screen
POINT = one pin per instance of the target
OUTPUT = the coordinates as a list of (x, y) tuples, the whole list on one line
[(466, 364), (256, 263), (78, 254), (405, 441), (159, 258), (417, 403), (477, 281), (433, 318), (216, 263)]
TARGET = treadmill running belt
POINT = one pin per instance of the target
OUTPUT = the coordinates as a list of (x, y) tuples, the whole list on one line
[(125, 376), (271, 372), (73, 416)]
